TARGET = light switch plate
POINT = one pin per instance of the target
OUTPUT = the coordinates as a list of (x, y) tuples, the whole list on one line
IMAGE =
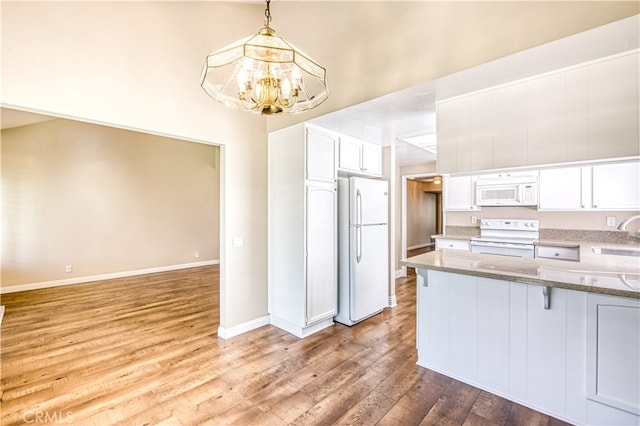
[(238, 242), (611, 221)]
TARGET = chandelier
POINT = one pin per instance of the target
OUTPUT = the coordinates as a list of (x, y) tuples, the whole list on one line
[(264, 74)]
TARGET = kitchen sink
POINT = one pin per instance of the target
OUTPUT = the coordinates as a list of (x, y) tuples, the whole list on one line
[(617, 251)]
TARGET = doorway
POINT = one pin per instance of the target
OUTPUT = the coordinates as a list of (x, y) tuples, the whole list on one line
[(422, 216)]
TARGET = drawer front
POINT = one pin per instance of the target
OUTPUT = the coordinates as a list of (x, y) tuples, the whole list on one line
[(444, 243), (560, 253)]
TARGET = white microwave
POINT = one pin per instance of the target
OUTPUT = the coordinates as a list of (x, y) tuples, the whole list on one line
[(507, 193)]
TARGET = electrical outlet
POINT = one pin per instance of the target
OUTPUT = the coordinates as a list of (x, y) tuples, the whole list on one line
[(611, 221), (196, 254), (68, 268), (474, 220)]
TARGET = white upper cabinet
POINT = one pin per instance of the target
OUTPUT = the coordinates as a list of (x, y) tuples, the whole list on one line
[(359, 157), (577, 115), (453, 127), (448, 134), (616, 186), (458, 193), (349, 154), (320, 155), (480, 143), (372, 159), (587, 112), (612, 88), (510, 126), (547, 126), (564, 188)]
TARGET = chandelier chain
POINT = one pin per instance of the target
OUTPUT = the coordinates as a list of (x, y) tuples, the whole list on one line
[(267, 14)]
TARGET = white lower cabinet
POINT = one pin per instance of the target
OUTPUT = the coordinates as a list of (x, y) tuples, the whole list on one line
[(493, 334), (452, 244), (463, 340), (321, 253), (613, 355), (578, 359)]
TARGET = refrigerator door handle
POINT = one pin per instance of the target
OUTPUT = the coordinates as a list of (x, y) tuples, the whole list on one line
[(358, 226), (358, 207), (358, 244)]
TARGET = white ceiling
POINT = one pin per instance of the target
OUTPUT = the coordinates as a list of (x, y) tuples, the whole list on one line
[(411, 112)]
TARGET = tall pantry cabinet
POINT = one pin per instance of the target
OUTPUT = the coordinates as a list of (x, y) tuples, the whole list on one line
[(302, 229)]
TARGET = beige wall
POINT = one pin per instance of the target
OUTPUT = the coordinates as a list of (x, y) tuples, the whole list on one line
[(136, 65), (105, 201)]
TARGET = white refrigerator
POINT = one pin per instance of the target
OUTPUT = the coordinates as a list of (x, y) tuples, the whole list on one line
[(363, 247)]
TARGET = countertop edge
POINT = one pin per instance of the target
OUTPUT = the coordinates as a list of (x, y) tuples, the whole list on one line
[(526, 280)]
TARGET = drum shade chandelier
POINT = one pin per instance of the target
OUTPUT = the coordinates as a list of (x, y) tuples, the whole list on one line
[(264, 74)]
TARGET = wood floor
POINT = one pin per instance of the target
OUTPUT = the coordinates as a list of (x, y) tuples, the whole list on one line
[(143, 350)]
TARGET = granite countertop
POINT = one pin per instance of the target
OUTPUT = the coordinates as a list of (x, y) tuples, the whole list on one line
[(455, 236), (597, 273)]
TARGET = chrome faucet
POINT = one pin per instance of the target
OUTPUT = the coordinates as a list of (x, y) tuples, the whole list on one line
[(623, 225)]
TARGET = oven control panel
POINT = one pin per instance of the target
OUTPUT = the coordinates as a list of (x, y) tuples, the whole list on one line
[(510, 224)]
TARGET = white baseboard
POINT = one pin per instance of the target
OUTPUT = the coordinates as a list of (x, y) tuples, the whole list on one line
[(393, 302), (296, 329), (92, 278), (227, 333), (401, 273), (1, 313)]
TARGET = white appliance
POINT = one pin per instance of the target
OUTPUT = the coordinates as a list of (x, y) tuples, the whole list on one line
[(507, 190), (507, 237), (363, 277)]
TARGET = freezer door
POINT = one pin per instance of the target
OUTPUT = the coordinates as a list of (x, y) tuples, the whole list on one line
[(369, 271), (369, 201)]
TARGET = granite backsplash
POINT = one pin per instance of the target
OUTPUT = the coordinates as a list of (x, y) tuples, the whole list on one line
[(617, 237)]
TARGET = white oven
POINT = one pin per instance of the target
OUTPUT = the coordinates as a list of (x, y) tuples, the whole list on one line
[(506, 237)]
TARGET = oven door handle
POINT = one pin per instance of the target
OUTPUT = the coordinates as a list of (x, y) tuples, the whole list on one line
[(483, 244)]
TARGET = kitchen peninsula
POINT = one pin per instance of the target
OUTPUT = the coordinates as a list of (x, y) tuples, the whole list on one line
[(561, 337)]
